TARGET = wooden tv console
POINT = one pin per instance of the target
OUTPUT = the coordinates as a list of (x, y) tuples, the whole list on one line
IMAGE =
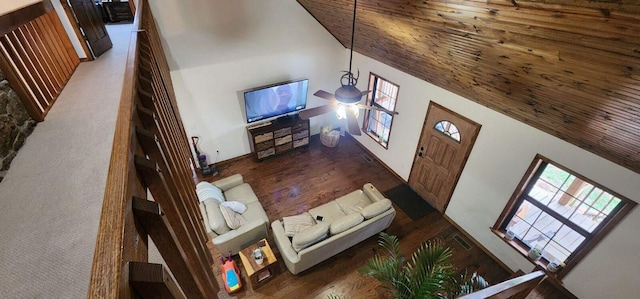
[(278, 136)]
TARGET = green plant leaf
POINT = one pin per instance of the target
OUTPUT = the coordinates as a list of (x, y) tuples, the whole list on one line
[(428, 274)]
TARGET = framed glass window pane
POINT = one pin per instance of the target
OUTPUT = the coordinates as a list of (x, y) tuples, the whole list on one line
[(377, 123), (560, 212)]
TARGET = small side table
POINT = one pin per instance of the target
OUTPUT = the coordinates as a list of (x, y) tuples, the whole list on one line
[(259, 274)]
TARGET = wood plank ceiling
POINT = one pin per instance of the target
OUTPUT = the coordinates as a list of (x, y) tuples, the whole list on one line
[(570, 68)]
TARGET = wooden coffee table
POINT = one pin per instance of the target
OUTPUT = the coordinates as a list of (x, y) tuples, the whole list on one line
[(259, 274)]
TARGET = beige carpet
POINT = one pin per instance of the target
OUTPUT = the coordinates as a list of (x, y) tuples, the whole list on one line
[(51, 197)]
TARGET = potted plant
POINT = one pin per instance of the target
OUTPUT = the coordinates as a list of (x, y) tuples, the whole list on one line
[(258, 256), (429, 273), (535, 254)]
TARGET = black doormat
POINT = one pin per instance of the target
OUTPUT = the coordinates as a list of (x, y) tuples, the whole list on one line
[(409, 201)]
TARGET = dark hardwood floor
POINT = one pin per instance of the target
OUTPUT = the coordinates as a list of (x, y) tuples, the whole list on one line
[(299, 180)]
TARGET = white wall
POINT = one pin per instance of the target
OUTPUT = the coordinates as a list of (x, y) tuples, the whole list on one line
[(503, 151), (66, 23), (217, 49)]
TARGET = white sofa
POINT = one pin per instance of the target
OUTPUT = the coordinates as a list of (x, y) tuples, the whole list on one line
[(348, 220), (254, 222)]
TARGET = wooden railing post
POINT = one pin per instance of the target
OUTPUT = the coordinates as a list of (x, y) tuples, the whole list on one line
[(152, 281), (150, 216), (200, 267)]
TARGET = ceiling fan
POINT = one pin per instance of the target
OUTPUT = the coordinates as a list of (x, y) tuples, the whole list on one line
[(346, 98)]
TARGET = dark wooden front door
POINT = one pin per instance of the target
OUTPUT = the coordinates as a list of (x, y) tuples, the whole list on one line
[(92, 25), (445, 143)]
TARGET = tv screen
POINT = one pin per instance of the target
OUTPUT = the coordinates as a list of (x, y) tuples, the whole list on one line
[(275, 99)]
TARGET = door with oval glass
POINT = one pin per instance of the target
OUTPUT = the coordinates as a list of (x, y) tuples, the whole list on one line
[(445, 144)]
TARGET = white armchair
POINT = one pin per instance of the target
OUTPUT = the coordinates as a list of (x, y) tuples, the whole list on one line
[(253, 222)]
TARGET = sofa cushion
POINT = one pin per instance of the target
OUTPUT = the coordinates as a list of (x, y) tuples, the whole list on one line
[(242, 193), (214, 215), (310, 236), (235, 206), (233, 219), (376, 208), (330, 211), (295, 224), (206, 190), (344, 223), (353, 202)]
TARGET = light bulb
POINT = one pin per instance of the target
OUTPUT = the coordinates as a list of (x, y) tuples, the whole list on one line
[(341, 112), (354, 109)]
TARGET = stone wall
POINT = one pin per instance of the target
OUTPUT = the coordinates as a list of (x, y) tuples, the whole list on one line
[(15, 124)]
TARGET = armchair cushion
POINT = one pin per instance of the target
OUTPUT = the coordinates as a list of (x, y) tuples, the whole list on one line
[(205, 219), (214, 216), (229, 182), (233, 219)]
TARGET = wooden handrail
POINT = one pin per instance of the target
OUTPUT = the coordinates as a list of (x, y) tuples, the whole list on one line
[(37, 56), (515, 288), (150, 153)]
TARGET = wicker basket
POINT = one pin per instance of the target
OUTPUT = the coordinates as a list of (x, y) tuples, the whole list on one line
[(330, 139)]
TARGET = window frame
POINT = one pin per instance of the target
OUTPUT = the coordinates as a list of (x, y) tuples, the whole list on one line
[(604, 228), (371, 102)]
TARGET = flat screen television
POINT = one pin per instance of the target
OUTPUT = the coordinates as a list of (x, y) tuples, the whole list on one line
[(275, 99)]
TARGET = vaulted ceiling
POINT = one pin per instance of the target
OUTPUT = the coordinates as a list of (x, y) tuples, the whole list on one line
[(570, 68)]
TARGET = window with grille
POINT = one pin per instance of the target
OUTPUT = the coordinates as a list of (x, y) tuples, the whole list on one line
[(449, 129), (377, 124), (561, 213)]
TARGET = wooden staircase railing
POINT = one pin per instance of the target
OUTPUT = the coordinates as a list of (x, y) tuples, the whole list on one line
[(37, 56), (515, 288), (150, 154)]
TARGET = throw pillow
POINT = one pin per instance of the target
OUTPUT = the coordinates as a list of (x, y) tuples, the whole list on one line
[(206, 190), (233, 219), (235, 206), (295, 224), (310, 236), (214, 216)]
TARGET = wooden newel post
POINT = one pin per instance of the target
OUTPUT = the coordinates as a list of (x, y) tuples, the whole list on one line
[(150, 216), (152, 281)]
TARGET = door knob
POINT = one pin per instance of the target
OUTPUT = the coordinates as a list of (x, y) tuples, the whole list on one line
[(421, 151)]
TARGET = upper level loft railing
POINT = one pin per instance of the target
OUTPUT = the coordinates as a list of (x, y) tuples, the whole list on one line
[(37, 56), (515, 288), (150, 154)]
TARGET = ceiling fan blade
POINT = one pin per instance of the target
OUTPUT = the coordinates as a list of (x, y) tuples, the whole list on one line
[(361, 106), (364, 93), (315, 111), (325, 95), (352, 123)]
